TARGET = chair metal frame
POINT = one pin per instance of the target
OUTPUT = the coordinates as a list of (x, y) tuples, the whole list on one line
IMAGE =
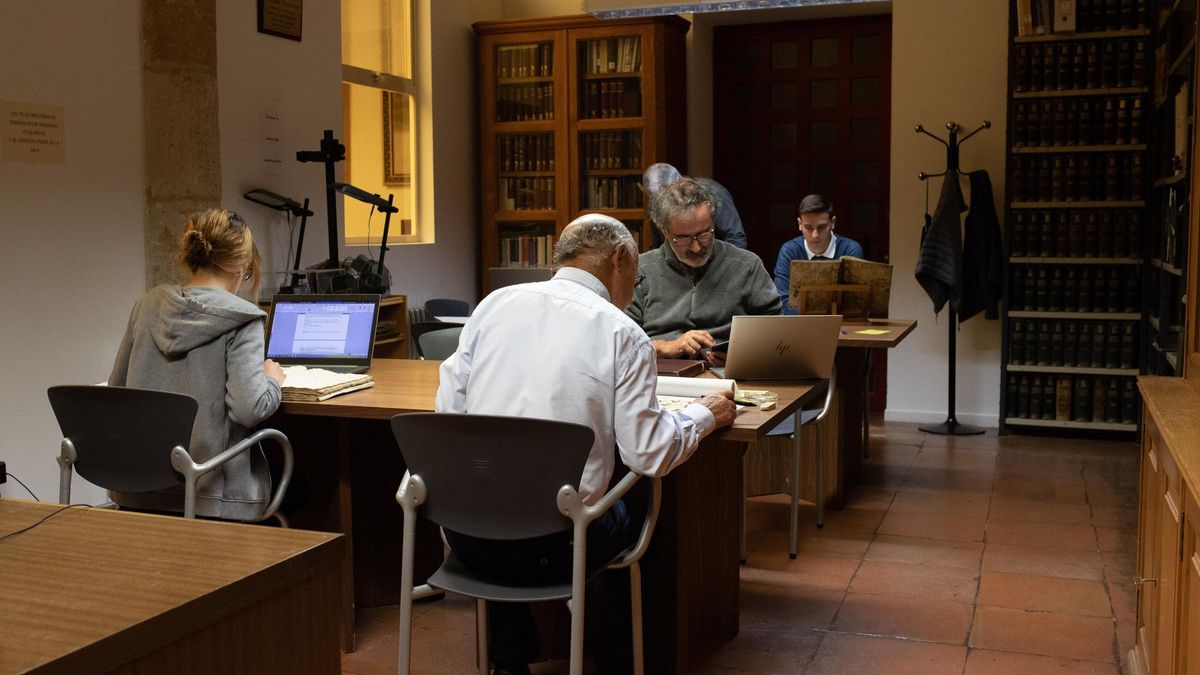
[(413, 494), (188, 468), (800, 422)]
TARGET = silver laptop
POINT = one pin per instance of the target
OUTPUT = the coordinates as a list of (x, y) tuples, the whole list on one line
[(334, 332), (782, 347)]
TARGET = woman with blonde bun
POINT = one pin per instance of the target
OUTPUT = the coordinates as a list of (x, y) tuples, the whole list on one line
[(201, 339)]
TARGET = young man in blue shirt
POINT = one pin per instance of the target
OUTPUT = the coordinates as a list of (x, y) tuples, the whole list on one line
[(816, 241)]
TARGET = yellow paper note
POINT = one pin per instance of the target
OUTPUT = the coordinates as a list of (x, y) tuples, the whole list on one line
[(872, 331)]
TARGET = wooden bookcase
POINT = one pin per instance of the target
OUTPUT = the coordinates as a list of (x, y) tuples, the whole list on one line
[(572, 110), (1175, 46), (1077, 193), (1167, 578)]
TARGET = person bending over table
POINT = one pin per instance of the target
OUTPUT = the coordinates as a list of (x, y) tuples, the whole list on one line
[(693, 283), (726, 219), (203, 340), (816, 242), (563, 350)]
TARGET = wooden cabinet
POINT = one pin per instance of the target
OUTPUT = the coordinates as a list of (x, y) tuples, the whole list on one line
[(391, 331), (1168, 567), (572, 110)]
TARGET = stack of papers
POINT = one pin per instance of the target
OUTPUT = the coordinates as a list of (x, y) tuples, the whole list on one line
[(318, 384)]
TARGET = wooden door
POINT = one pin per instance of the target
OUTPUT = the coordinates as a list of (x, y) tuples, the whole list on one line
[(805, 107)]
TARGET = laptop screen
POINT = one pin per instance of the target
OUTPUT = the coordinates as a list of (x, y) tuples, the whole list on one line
[(319, 329)]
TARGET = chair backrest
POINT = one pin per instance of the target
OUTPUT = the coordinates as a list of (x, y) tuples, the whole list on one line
[(419, 328), (123, 437), (447, 307), (439, 344), (493, 477)]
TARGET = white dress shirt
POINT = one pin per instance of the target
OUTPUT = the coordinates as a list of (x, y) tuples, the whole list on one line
[(560, 350), (827, 253)]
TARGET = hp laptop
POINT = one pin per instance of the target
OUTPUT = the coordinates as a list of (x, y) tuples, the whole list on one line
[(334, 332), (782, 347)]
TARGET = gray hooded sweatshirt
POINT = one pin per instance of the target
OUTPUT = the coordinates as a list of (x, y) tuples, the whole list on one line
[(208, 343)]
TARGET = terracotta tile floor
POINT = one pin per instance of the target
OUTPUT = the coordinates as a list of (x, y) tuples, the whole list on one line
[(972, 555)]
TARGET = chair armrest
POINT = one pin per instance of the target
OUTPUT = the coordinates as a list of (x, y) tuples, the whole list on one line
[(635, 554), (829, 390), (571, 505), (183, 463)]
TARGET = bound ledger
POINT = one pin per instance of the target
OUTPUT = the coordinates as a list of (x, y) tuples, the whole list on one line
[(680, 367), (318, 384)]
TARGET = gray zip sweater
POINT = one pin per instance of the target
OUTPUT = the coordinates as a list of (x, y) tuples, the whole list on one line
[(208, 343), (675, 298)]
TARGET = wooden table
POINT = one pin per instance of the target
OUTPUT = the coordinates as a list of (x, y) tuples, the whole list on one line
[(92, 590), (840, 440), (854, 378), (691, 572)]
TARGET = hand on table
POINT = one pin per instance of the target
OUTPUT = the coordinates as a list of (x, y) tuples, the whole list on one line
[(687, 345)]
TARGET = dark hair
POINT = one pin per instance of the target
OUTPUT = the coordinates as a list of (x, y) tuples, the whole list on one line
[(218, 239), (814, 204), (683, 195)]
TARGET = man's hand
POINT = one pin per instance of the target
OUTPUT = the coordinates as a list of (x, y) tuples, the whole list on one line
[(687, 345), (272, 370), (716, 359), (720, 404)]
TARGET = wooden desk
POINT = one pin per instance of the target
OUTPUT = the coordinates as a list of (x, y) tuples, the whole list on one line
[(854, 379), (842, 437), (97, 591), (691, 570)]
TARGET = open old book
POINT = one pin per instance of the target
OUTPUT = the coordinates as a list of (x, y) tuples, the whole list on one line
[(849, 286), (674, 393), (318, 384)]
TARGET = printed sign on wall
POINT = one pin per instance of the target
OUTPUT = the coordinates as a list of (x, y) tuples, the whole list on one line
[(32, 133)]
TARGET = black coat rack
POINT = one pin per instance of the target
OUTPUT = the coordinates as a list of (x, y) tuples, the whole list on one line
[(951, 426)]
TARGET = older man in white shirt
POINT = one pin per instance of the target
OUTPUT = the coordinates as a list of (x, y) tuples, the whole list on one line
[(563, 349)]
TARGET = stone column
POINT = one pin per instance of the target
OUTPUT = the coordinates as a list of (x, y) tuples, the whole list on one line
[(181, 134)]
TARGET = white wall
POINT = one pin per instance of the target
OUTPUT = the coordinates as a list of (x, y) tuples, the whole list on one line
[(300, 82), (955, 74), (447, 151), (70, 234)]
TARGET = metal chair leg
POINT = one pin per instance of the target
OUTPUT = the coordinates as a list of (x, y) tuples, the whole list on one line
[(635, 602), (820, 457), (481, 637), (797, 456)]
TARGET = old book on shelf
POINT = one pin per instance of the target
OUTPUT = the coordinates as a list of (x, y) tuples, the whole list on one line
[(858, 288), (318, 384)]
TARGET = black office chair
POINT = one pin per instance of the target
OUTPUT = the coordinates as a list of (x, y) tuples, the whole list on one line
[(471, 474), (438, 345), (135, 440), (790, 427), (447, 307)]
